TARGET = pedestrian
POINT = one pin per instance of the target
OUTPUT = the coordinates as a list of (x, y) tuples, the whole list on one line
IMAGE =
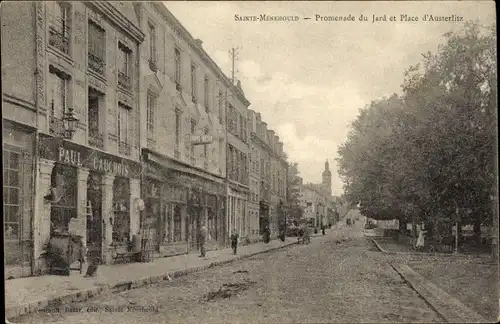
[(202, 238), (323, 230), (300, 235), (234, 241), (420, 240), (267, 235)]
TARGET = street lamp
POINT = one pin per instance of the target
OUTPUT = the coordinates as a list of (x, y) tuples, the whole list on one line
[(69, 121)]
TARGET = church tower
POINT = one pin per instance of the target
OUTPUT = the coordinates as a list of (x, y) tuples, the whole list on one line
[(327, 179)]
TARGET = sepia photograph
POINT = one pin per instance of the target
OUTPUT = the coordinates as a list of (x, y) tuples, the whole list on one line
[(250, 162)]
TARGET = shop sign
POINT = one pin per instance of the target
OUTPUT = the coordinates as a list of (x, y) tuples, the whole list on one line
[(81, 156), (201, 139)]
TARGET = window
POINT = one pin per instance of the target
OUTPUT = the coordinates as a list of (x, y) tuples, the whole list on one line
[(121, 210), (58, 92), (244, 129), (177, 69), (124, 66), (124, 129), (94, 127), (220, 103), (152, 46), (59, 29), (193, 127), (207, 92), (96, 48), (151, 113), (12, 173), (193, 84), (205, 149), (177, 133)]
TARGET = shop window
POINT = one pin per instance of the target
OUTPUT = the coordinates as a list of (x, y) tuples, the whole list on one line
[(121, 210), (167, 221), (94, 198), (62, 210), (12, 194), (177, 224)]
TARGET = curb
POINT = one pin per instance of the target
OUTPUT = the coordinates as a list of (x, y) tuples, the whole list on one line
[(449, 255), (448, 307), (83, 295)]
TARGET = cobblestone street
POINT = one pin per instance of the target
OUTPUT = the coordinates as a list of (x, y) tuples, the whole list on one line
[(339, 278)]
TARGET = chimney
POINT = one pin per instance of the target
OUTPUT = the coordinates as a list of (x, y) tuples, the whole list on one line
[(199, 42)]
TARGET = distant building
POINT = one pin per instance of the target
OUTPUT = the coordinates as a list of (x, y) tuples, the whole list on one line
[(317, 200)]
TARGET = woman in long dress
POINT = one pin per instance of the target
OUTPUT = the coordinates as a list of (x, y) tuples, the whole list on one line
[(421, 240)]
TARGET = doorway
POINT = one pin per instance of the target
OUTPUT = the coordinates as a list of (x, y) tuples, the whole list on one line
[(94, 216), (194, 220)]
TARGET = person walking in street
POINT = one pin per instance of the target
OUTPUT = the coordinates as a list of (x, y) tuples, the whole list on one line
[(202, 238), (323, 230), (234, 241), (267, 235)]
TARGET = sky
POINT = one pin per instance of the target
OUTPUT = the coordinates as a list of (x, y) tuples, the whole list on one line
[(309, 78)]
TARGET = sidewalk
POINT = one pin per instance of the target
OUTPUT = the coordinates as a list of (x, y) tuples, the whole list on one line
[(460, 287), (27, 295)]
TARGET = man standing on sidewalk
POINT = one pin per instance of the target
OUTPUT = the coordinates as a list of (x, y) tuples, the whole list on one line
[(202, 238), (234, 241)]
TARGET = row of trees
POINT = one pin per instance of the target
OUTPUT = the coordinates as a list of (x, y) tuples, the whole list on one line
[(431, 151)]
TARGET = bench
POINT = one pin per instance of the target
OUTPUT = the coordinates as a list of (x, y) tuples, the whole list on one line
[(126, 255)]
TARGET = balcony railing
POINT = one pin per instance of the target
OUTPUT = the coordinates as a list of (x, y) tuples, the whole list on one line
[(152, 65), (124, 148), (96, 63), (124, 80), (59, 40), (96, 140), (56, 126)]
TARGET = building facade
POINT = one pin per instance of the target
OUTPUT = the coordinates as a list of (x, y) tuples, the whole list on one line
[(255, 177), (84, 68), (237, 161), (268, 175), (183, 95), (317, 201)]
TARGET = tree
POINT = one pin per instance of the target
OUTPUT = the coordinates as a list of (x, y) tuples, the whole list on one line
[(432, 149), (295, 211)]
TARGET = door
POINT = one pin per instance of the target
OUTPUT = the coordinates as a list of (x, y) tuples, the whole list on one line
[(94, 218), (194, 226), (17, 193)]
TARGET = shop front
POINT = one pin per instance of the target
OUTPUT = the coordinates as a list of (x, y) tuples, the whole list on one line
[(87, 192), (178, 201), (17, 152)]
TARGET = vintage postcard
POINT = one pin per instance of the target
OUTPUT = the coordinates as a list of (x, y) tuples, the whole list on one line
[(250, 161)]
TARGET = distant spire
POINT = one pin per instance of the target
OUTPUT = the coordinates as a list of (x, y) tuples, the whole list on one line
[(327, 165)]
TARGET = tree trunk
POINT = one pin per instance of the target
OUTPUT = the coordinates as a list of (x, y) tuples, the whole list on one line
[(477, 229)]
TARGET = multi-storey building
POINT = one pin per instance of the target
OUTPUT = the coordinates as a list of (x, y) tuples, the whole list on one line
[(70, 96), (183, 99), (269, 173), (237, 161), (254, 156), (279, 170)]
